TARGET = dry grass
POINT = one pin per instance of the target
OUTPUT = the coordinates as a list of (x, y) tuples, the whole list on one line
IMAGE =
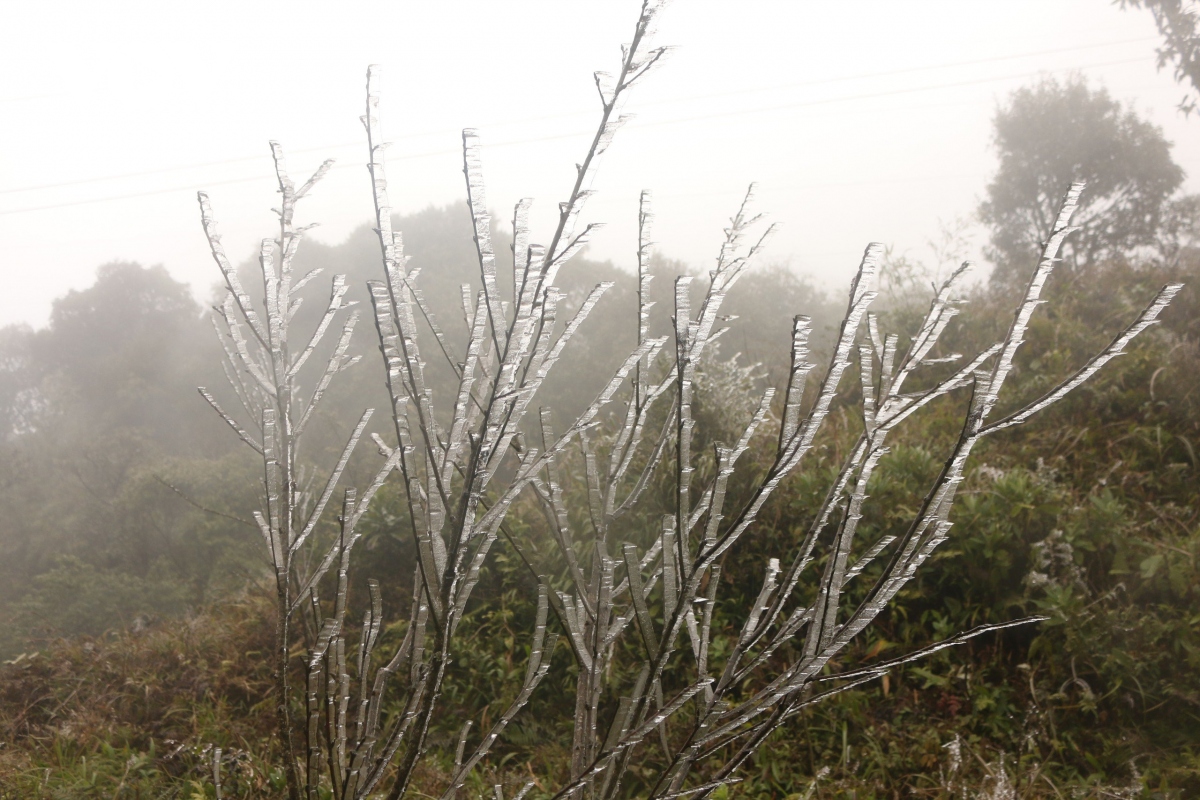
[(151, 703)]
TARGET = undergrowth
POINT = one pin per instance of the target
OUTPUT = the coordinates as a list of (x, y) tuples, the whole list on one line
[(1088, 517)]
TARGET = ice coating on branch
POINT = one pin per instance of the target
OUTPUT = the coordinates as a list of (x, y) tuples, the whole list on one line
[(630, 586)]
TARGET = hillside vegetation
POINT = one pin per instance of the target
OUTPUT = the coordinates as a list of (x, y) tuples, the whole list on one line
[(1088, 515)]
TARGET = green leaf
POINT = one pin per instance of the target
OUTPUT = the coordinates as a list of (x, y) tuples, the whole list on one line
[(1151, 564)]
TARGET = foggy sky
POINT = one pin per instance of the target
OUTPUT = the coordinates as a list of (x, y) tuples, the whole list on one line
[(861, 122)]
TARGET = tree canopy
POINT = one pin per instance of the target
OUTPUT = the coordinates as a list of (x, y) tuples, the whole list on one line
[(1052, 133)]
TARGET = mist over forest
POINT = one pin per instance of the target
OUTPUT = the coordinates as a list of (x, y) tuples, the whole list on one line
[(118, 474), (135, 592)]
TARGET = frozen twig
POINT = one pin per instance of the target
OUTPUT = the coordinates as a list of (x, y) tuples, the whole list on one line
[(631, 586)]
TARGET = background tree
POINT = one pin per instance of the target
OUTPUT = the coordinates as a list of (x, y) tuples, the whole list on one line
[(19, 380), (759, 308), (98, 415), (98, 410), (120, 353), (1052, 133)]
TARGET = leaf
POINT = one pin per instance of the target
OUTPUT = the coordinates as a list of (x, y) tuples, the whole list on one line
[(1151, 565), (878, 647), (931, 680)]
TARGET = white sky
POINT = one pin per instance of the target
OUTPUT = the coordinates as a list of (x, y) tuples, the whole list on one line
[(860, 121)]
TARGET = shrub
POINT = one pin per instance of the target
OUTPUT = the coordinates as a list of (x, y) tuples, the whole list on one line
[(674, 688)]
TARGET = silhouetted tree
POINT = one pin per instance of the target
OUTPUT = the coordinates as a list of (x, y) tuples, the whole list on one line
[(121, 354), (1053, 133), (98, 410), (760, 307), (20, 375)]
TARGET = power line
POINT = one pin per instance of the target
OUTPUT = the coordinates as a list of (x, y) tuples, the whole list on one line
[(886, 93), (25, 97), (690, 98), (573, 134), (907, 70)]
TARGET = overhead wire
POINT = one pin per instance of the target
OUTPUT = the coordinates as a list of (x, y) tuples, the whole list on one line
[(525, 120), (572, 134)]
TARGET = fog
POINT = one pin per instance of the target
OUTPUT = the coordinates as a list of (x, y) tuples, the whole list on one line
[(860, 121), (750, 523)]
